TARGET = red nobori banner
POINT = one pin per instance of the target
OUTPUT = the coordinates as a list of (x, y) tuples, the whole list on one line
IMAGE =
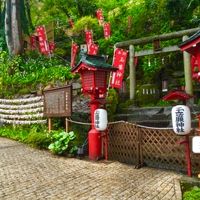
[(106, 30), (93, 49), (89, 36), (33, 42), (52, 46), (42, 37), (99, 14), (74, 50), (119, 61)]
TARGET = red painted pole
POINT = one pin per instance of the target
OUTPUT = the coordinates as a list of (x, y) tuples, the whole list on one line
[(187, 154), (94, 136)]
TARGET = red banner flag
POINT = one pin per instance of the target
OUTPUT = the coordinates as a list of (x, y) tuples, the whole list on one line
[(93, 49), (106, 30), (88, 37), (33, 42), (52, 46), (74, 50), (119, 61), (99, 14), (42, 37)]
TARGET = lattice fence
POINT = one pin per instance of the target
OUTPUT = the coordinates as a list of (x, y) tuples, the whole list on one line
[(123, 143), (160, 148)]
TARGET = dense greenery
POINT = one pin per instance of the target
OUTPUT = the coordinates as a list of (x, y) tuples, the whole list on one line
[(193, 194), (23, 74), (34, 135)]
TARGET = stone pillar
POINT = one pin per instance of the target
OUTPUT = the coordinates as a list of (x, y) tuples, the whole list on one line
[(132, 72), (187, 70)]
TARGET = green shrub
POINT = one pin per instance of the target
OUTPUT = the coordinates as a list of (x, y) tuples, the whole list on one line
[(194, 194), (39, 139), (34, 135), (62, 142)]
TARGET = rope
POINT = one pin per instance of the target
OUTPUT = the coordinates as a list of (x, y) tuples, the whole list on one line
[(117, 122)]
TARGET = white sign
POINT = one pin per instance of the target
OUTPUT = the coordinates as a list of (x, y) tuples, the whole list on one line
[(196, 144), (181, 119)]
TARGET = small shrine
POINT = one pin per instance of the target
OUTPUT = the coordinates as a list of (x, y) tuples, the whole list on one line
[(192, 46)]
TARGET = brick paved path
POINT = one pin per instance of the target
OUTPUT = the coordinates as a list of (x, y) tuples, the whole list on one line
[(27, 173)]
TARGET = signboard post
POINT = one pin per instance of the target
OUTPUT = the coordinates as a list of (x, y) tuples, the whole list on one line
[(58, 103)]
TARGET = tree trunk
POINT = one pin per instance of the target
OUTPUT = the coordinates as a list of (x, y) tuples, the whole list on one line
[(8, 32), (16, 28), (13, 31)]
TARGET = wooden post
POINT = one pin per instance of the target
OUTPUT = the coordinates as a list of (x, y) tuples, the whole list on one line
[(187, 70), (132, 72), (49, 125), (66, 125)]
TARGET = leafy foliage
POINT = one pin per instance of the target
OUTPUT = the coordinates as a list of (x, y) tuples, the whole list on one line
[(62, 141), (20, 72), (34, 135), (194, 194)]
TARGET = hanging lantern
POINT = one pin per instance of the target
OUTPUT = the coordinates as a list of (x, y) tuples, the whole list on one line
[(181, 119), (100, 119), (196, 144)]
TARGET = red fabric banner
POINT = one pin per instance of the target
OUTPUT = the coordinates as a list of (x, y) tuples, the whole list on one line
[(42, 37), (52, 46), (74, 50), (99, 14), (93, 49), (33, 42), (88, 37), (119, 61), (106, 30)]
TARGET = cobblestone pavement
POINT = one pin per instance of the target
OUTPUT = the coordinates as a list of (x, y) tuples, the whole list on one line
[(27, 173)]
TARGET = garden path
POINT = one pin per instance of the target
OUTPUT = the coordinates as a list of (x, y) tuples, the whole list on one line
[(27, 173)]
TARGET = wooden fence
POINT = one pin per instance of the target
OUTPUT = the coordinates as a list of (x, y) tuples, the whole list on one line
[(141, 146)]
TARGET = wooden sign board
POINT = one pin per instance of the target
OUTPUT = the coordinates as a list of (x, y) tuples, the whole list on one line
[(58, 102)]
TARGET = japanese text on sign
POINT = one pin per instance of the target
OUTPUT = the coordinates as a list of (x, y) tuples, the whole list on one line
[(119, 61), (106, 29), (88, 37), (180, 120), (93, 49), (58, 102), (99, 14), (43, 43)]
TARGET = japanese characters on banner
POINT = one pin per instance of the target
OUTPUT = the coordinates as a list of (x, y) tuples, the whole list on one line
[(99, 14), (43, 43), (33, 42), (74, 50), (88, 37), (106, 30), (119, 61), (93, 49)]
